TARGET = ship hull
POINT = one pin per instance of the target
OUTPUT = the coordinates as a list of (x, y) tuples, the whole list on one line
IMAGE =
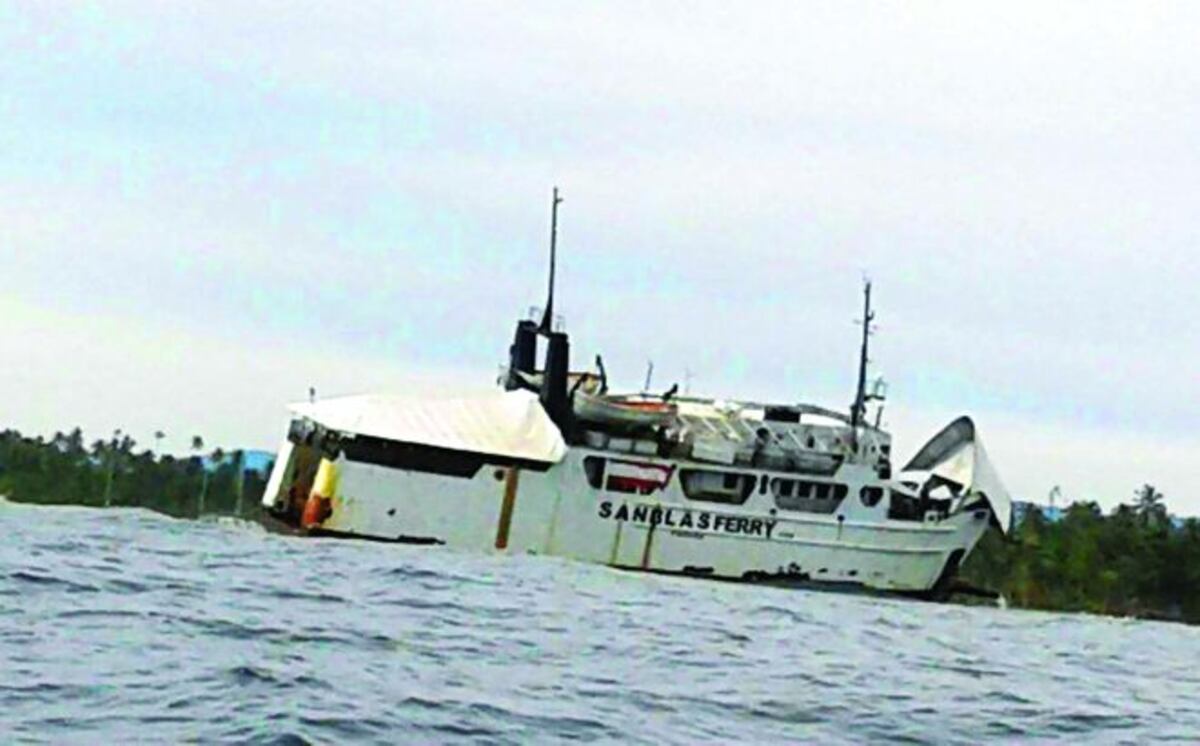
[(638, 517)]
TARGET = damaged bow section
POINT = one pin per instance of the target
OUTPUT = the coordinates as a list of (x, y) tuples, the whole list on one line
[(954, 462)]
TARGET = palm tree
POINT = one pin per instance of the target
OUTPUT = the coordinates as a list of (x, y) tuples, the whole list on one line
[(239, 486), (112, 468), (198, 447), (1149, 505), (75, 441), (158, 437)]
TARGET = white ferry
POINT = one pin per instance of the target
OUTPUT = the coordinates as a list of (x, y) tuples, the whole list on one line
[(552, 463)]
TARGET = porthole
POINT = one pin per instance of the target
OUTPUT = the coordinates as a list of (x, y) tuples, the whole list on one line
[(593, 471), (870, 496)]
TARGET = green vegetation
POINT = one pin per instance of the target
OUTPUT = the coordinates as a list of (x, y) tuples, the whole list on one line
[(1133, 562), (63, 470)]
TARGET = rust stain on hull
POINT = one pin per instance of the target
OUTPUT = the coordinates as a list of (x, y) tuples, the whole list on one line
[(646, 548), (506, 507)]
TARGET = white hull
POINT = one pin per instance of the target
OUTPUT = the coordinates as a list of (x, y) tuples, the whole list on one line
[(557, 511)]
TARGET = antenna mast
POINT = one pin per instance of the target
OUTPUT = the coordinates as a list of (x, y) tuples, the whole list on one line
[(548, 314), (858, 409)]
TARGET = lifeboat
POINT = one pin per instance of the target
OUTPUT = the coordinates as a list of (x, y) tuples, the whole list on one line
[(627, 411)]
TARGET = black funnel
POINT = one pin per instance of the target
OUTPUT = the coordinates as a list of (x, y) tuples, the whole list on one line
[(522, 356), (554, 381)]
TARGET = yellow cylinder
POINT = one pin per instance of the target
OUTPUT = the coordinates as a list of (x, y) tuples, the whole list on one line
[(325, 483), (319, 505)]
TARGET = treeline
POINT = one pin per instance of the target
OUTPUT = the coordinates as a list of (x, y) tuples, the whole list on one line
[(114, 472), (1135, 561)]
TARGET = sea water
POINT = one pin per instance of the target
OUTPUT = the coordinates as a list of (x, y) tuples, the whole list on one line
[(125, 626)]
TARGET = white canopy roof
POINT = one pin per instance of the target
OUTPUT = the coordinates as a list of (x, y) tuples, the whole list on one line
[(503, 423)]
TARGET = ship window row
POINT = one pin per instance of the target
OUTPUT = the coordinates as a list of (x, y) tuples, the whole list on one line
[(726, 487), (807, 490), (807, 496)]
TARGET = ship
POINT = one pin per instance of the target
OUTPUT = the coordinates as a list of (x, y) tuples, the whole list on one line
[(550, 462)]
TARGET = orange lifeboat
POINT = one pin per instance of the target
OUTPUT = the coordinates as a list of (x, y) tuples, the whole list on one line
[(630, 411)]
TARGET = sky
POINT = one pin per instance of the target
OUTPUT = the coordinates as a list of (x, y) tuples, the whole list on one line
[(207, 208)]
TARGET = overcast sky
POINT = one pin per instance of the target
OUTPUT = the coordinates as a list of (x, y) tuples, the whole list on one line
[(207, 207)]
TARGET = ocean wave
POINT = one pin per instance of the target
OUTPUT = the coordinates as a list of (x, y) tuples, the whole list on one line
[(121, 623)]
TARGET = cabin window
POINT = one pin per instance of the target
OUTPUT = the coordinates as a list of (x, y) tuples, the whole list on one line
[(628, 485), (870, 496), (634, 477), (593, 469), (807, 496), (729, 487), (365, 449)]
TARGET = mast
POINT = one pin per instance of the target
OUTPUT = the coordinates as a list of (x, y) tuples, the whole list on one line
[(858, 409), (548, 314)]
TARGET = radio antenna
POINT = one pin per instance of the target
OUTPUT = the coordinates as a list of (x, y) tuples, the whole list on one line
[(858, 409), (548, 314)]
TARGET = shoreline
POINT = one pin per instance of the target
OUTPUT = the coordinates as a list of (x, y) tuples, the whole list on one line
[(963, 594)]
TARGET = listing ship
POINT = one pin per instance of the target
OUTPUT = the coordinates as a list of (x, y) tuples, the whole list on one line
[(552, 463)]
